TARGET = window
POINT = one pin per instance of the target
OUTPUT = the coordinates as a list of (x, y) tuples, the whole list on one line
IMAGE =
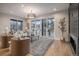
[(16, 25), (42, 27)]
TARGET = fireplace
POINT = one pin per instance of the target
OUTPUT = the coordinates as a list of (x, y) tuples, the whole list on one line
[(74, 26), (73, 44)]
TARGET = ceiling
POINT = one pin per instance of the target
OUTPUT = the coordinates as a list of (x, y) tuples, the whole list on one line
[(21, 9)]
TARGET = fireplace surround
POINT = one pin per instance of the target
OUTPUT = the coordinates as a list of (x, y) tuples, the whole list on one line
[(74, 26), (73, 44)]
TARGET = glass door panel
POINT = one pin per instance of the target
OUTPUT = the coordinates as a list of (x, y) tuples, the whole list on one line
[(42, 27), (50, 27), (36, 28)]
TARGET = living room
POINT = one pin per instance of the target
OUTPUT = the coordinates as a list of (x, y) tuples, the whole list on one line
[(38, 29)]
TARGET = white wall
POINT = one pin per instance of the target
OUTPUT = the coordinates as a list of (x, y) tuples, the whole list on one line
[(57, 16), (5, 21)]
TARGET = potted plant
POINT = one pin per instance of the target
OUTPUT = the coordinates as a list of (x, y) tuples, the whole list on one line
[(62, 27)]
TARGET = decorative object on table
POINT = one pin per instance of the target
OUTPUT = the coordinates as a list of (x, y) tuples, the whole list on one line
[(62, 27), (12, 32), (20, 34), (26, 32), (17, 34)]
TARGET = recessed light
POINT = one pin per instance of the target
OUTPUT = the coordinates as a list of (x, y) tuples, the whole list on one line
[(22, 6), (54, 9)]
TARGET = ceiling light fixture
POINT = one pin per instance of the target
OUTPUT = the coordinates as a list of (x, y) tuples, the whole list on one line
[(31, 15), (54, 9)]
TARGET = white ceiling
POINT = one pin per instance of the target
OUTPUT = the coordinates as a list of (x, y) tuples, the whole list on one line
[(21, 9)]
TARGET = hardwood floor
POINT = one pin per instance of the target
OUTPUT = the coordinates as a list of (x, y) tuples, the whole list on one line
[(59, 48), (4, 52)]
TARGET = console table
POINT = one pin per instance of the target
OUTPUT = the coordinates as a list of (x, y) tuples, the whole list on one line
[(5, 41), (20, 47)]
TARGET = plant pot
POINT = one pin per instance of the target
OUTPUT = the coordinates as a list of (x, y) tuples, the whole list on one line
[(62, 39)]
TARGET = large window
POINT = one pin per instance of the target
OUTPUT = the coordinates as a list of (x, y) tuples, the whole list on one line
[(43, 27), (16, 25)]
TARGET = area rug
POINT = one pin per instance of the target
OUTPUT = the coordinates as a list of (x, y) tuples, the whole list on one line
[(39, 47)]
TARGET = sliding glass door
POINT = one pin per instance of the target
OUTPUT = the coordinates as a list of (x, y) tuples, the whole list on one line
[(42, 27), (36, 28)]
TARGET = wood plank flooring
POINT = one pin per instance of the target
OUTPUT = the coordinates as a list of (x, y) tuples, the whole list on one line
[(59, 48), (4, 52)]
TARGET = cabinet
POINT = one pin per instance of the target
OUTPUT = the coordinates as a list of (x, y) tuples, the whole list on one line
[(5, 41), (20, 47)]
